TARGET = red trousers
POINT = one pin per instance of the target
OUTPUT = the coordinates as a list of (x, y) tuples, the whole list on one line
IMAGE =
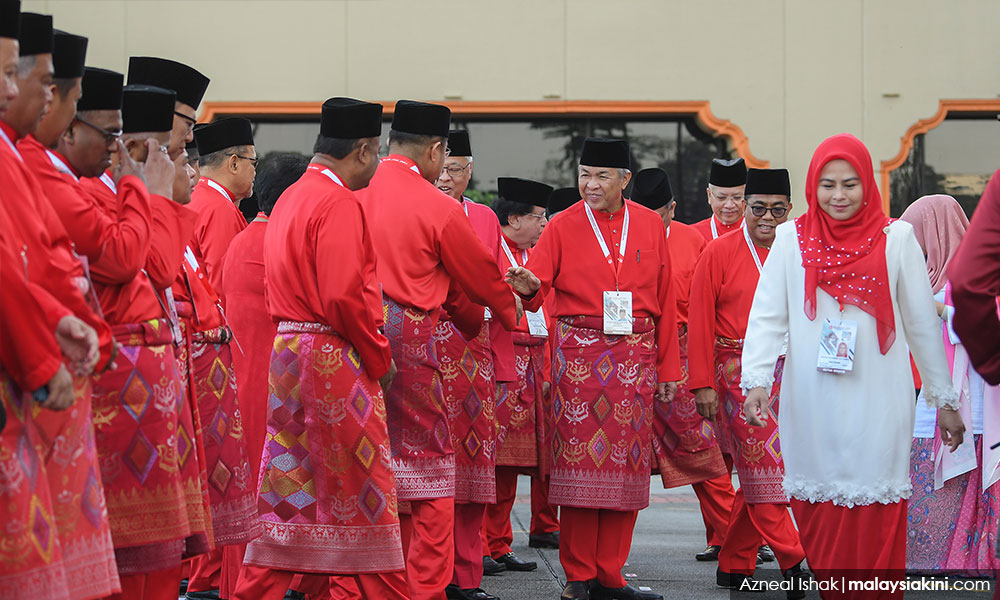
[(854, 542), (468, 545), (262, 583), (158, 585), (206, 571), (497, 532), (429, 547), (544, 516), (594, 544), (715, 497), (746, 526)]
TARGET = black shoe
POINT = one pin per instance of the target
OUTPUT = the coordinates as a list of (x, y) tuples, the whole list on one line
[(544, 540), (576, 590), (765, 553), (735, 581), (513, 563), (760, 560), (492, 567), (599, 592), (294, 595), (184, 587), (453, 592), (708, 554), (800, 578), (205, 595)]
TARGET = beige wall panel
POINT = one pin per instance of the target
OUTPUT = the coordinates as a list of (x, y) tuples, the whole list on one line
[(510, 50), (103, 21)]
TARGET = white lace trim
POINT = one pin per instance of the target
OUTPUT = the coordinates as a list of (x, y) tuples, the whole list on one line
[(940, 396), (750, 380), (847, 494)]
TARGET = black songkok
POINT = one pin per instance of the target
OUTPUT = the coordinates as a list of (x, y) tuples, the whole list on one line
[(605, 152), (652, 188), (147, 108), (350, 119), (421, 118), (222, 134), (10, 18), (525, 191), (35, 36), (728, 173), (69, 54), (768, 181), (102, 90), (188, 83), (458, 143), (562, 199)]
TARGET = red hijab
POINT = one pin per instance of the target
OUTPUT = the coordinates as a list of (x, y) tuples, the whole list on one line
[(847, 258)]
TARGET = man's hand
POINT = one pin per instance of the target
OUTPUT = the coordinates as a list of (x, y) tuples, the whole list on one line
[(706, 401), (665, 391), (523, 281), (60, 390), (519, 306), (126, 166), (546, 388), (756, 400), (385, 381), (159, 170), (78, 343), (952, 428)]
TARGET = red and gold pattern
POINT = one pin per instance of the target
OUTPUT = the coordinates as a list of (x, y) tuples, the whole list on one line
[(602, 414), (756, 450), (684, 446), (520, 408), (327, 496), (469, 386), (81, 516), (31, 564), (232, 495), (423, 459), (135, 414)]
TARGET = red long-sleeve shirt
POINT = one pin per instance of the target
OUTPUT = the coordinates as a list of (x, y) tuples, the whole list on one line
[(705, 228), (423, 239), (975, 284), (319, 265), (219, 220), (570, 264), (119, 239), (44, 244), (685, 246), (721, 296)]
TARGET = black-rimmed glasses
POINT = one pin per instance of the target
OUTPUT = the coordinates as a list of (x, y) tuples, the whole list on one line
[(109, 136), (253, 161), (776, 211)]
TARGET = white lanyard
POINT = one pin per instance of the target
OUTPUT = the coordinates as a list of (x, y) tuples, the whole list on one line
[(106, 179), (215, 186), (465, 207), (3, 134), (333, 177), (510, 255), (715, 230), (604, 246), (60, 165), (668, 232), (753, 251)]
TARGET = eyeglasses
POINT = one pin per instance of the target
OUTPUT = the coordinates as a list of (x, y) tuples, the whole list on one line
[(776, 211), (454, 171), (190, 121), (541, 217), (253, 161), (734, 198), (109, 136)]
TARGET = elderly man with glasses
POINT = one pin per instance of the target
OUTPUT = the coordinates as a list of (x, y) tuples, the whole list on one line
[(725, 195)]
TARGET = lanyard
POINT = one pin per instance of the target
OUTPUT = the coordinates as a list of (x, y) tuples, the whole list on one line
[(60, 166), (668, 232), (753, 251), (3, 134), (510, 255), (106, 179), (215, 186), (333, 176), (715, 230), (615, 267)]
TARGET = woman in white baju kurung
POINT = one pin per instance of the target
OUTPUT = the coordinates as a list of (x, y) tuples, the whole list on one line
[(845, 437)]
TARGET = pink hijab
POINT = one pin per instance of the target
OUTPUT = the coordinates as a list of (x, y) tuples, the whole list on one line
[(939, 224)]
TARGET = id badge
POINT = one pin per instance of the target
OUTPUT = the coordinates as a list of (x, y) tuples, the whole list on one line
[(618, 313), (836, 346), (536, 323)]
